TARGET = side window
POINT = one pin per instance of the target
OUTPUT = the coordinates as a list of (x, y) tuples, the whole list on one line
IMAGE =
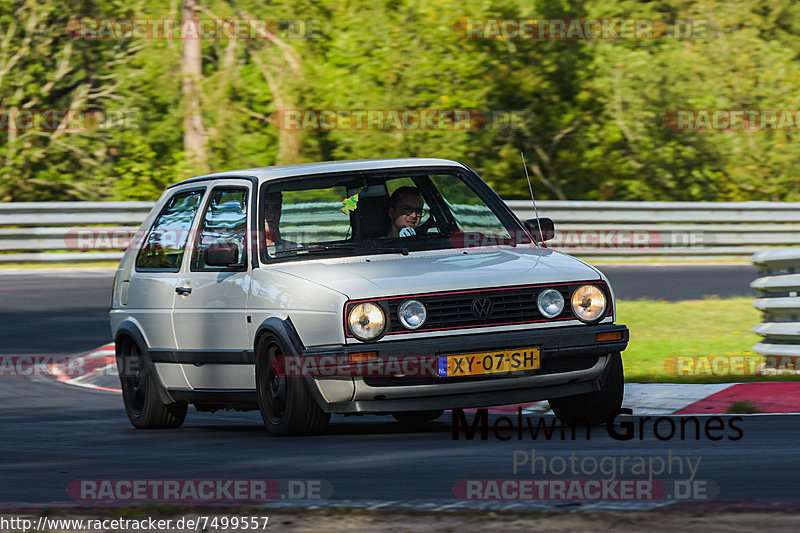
[(224, 226), (163, 249)]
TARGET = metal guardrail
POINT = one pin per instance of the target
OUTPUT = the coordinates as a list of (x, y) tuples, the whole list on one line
[(779, 300), (668, 231), (49, 231), (618, 231)]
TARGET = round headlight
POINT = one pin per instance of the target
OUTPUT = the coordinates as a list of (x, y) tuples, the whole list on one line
[(588, 303), (412, 314), (550, 303), (366, 321)]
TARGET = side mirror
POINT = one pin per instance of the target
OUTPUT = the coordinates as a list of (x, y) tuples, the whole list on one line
[(222, 255), (548, 228)]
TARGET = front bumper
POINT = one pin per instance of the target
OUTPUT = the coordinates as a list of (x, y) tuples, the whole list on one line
[(572, 361)]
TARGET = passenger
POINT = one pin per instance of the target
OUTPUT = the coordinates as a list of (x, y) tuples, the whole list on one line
[(273, 204), (405, 211)]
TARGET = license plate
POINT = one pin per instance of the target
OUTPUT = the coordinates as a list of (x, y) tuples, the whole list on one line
[(472, 364)]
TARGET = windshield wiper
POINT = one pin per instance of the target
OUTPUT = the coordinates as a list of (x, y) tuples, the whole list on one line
[(317, 247), (341, 246)]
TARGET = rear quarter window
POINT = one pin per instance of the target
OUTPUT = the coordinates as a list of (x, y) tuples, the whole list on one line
[(164, 247)]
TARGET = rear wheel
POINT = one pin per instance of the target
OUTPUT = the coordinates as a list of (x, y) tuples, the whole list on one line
[(140, 393), (594, 407), (286, 405), (417, 417)]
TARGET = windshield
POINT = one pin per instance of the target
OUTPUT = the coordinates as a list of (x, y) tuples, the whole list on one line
[(397, 211)]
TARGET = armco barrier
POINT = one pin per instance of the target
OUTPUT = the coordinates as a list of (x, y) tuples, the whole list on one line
[(779, 301), (669, 231), (618, 231)]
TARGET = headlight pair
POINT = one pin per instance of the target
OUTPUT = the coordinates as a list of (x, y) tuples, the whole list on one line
[(368, 320), (588, 303)]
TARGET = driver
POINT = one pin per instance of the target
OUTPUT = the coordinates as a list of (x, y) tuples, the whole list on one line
[(405, 210)]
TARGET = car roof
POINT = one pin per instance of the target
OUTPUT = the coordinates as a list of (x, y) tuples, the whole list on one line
[(263, 174)]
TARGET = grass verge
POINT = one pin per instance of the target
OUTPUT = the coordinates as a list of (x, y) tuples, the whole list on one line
[(673, 342)]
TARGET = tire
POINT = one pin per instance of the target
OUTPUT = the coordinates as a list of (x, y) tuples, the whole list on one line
[(595, 407), (286, 405), (140, 393), (417, 417)]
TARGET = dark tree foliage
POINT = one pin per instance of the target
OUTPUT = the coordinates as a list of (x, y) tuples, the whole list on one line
[(588, 114)]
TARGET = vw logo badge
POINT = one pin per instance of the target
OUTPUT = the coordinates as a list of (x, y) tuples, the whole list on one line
[(482, 308)]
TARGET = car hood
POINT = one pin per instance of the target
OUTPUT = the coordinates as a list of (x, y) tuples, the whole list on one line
[(440, 270)]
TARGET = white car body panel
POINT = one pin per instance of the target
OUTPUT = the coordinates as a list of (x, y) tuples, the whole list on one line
[(225, 310)]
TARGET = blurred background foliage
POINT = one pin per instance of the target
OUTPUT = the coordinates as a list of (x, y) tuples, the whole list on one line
[(589, 115)]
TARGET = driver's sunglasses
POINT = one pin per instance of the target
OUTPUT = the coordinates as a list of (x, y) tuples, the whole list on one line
[(408, 209)]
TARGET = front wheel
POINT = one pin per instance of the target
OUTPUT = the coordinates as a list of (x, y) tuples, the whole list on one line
[(140, 395), (286, 406), (594, 407)]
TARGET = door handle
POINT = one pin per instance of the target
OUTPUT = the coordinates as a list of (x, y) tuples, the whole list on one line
[(183, 291)]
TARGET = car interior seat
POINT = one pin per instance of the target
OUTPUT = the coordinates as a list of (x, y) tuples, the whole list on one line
[(371, 218)]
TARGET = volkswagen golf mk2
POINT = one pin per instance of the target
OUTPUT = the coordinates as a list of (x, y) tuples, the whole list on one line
[(402, 287)]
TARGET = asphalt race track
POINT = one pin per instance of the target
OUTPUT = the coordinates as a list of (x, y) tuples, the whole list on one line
[(54, 434)]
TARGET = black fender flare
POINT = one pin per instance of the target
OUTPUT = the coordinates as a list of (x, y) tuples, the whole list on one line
[(130, 329), (286, 333)]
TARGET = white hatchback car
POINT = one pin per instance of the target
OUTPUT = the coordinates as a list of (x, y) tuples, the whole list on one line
[(403, 287)]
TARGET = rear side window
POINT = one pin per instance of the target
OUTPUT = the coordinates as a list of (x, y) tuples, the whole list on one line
[(223, 226), (163, 249)]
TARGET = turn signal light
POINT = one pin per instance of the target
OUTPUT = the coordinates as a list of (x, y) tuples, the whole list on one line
[(608, 336), (360, 357)]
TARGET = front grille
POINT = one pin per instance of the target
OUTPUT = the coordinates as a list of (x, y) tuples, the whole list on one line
[(550, 365), (512, 305)]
